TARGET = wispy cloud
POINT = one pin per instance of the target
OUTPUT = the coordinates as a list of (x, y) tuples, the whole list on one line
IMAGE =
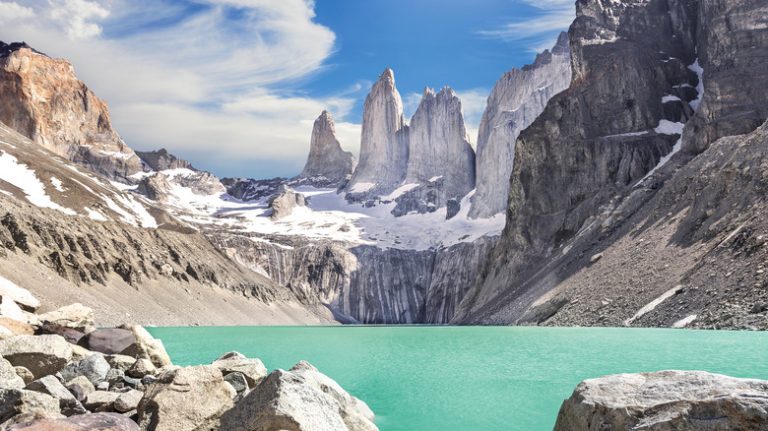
[(541, 29), (219, 76)]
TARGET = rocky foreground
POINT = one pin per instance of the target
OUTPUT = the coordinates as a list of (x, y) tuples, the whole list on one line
[(59, 372)]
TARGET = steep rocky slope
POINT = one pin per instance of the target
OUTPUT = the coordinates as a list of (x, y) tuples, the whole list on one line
[(161, 160), (41, 98), (515, 101), (67, 235), (327, 164), (592, 174)]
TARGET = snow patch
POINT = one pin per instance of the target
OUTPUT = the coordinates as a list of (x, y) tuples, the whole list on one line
[(670, 98), (123, 187), (699, 71), (405, 188), (667, 127), (682, 323), (25, 178), (361, 187), (57, 184), (9, 289), (652, 305), (95, 215)]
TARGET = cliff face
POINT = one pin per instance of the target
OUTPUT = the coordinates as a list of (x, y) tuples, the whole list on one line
[(384, 140), (579, 180), (160, 160), (327, 164), (515, 101), (41, 98)]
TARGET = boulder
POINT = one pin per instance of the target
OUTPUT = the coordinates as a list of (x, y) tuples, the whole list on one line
[(666, 400), (50, 385), (9, 379), (121, 362), (238, 381), (11, 310), (80, 387), (114, 376), (140, 368), (101, 401), (25, 374), (128, 401), (146, 346), (75, 316), (16, 327), (92, 422), (24, 298), (285, 201), (108, 340), (80, 352), (94, 368), (20, 405), (253, 370), (42, 355), (191, 398), (71, 335), (301, 399)]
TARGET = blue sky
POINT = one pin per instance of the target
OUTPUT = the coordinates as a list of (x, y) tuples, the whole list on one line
[(234, 85)]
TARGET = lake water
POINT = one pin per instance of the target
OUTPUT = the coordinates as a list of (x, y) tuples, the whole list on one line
[(419, 378)]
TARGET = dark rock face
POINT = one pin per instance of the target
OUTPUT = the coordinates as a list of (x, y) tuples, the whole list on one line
[(160, 160), (634, 85), (327, 164)]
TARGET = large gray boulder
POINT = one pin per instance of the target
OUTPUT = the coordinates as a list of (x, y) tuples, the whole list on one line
[(327, 164), (253, 370), (186, 399), (42, 354), (666, 400), (75, 316), (94, 368), (301, 399), (127, 340), (20, 405)]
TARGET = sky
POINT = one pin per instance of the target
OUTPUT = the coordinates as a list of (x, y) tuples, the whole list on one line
[(234, 85)]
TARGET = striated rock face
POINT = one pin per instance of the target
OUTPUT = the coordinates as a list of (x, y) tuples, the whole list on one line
[(160, 160), (515, 102), (666, 400), (438, 151), (384, 142), (41, 98), (327, 165), (368, 284)]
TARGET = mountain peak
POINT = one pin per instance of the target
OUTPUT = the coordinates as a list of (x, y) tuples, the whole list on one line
[(7, 49)]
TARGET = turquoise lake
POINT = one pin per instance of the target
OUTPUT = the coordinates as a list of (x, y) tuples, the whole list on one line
[(472, 378)]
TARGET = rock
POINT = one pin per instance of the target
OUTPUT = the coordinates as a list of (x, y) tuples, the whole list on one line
[(22, 297), (16, 327), (666, 400), (327, 164), (518, 97), (253, 370), (50, 385), (141, 368), (91, 422), (25, 374), (238, 381), (80, 387), (284, 202), (146, 346), (94, 368), (161, 160), (128, 401), (20, 405), (11, 310), (384, 141), (109, 340), (80, 352), (231, 355), (121, 362), (76, 127), (301, 399), (114, 375), (439, 148), (192, 398), (75, 316), (72, 336), (595, 257), (9, 378), (758, 308), (42, 354), (100, 401)]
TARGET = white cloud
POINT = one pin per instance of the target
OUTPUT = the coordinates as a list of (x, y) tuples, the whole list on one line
[(218, 79), (12, 11), (540, 30)]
